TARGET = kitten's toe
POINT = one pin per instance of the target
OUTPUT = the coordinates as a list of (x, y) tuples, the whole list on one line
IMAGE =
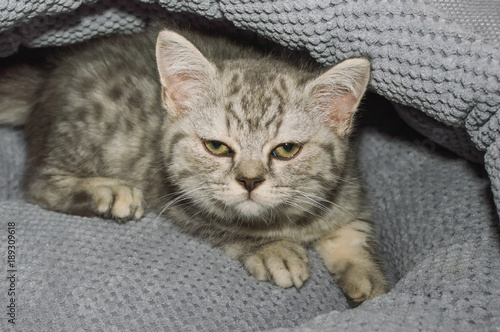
[(283, 263)]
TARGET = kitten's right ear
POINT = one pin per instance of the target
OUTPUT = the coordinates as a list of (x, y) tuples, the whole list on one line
[(185, 74)]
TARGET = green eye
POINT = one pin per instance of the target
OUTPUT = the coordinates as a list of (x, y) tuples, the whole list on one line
[(217, 148), (286, 151)]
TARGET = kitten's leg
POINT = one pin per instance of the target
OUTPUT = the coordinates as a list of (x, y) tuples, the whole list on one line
[(283, 263), (93, 196), (350, 255)]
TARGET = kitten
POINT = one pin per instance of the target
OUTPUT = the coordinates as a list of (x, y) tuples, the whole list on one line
[(247, 150)]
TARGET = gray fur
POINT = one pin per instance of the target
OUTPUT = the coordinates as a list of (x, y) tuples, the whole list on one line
[(111, 132), (17, 97)]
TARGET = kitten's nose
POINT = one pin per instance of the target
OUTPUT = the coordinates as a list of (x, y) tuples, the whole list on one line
[(249, 183)]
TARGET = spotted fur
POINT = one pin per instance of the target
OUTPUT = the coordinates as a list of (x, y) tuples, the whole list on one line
[(120, 125)]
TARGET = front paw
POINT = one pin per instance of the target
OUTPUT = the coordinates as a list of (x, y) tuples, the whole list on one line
[(350, 254), (283, 263), (361, 283), (113, 198)]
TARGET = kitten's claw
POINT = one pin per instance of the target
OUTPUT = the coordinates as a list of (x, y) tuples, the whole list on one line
[(283, 263)]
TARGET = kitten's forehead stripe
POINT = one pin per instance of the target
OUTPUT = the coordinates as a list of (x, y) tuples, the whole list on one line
[(235, 78), (253, 78), (280, 107), (270, 121), (283, 85), (278, 127), (265, 103), (231, 115), (235, 85)]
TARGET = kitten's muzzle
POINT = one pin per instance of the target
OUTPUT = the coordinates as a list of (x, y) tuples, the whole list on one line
[(249, 183)]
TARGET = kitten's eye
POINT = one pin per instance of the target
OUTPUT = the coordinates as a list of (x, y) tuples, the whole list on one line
[(217, 148), (286, 151)]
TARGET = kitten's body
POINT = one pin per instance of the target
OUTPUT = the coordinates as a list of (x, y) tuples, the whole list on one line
[(106, 136)]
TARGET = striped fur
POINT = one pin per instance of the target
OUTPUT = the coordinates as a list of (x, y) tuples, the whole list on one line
[(121, 126)]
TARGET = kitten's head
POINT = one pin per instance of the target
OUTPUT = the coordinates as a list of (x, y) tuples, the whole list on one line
[(255, 140)]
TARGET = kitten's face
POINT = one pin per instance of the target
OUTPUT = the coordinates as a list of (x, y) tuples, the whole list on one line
[(255, 140), (255, 152)]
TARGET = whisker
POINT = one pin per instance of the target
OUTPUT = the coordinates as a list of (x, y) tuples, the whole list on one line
[(317, 199), (184, 196)]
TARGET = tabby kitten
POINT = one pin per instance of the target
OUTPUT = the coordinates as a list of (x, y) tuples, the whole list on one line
[(244, 149)]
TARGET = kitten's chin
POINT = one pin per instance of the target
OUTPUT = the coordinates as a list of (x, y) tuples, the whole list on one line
[(250, 208)]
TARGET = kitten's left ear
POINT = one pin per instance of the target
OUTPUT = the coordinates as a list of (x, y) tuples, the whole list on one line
[(337, 93)]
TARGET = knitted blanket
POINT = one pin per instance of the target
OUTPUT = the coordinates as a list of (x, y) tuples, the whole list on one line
[(437, 61)]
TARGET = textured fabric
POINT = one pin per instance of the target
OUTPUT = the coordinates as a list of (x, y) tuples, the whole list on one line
[(436, 214), (480, 16), (453, 138)]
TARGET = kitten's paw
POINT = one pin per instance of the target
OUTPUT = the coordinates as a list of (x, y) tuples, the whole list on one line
[(115, 199), (119, 202), (360, 284), (283, 263), (349, 253)]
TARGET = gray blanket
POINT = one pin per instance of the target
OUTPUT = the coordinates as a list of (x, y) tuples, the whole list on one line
[(439, 60)]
